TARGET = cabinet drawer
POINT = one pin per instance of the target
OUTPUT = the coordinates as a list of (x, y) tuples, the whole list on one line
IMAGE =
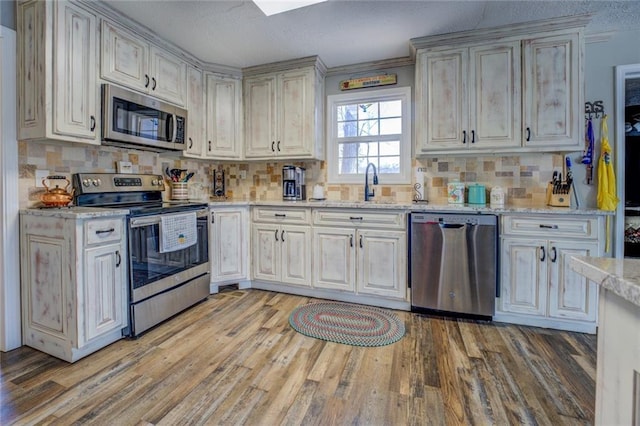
[(301, 216), (359, 218), (103, 230), (551, 226)]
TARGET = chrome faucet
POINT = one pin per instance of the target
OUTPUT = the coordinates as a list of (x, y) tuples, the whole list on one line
[(370, 194)]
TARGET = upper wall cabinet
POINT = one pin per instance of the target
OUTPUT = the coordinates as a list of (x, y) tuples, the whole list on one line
[(522, 91), (57, 92), (470, 97), (195, 107), (133, 62), (284, 110), (553, 104)]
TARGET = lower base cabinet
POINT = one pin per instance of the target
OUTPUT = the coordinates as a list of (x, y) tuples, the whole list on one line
[(229, 246), (74, 283), (537, 286), (359, 260)]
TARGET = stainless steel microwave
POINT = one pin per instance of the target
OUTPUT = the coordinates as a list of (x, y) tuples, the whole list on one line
[(135, 120)]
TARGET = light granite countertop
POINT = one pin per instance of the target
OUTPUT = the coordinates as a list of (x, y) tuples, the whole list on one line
[(620, 276), (74, 212), (412, 207)]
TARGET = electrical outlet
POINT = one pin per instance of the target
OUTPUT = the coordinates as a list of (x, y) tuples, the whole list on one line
[(40, 175), (243, 174)]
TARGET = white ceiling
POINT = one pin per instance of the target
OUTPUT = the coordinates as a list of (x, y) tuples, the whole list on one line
[(238, 34)]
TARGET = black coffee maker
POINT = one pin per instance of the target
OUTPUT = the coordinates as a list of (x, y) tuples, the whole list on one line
[(293, 186)]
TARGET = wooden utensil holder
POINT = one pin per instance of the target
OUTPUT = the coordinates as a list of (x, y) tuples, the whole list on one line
[(558, 200)]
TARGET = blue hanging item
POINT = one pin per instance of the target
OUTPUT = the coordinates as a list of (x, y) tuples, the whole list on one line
[(587, 157)]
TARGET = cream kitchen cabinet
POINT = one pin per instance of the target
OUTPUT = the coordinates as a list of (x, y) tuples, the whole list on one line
[(229, 246), (360, 252), (512, 89), (537, 286), (57, 91), (73, 280), (281, 241), (223, 118), (284, 112), (133, 62), (196, 113), (468, 98), (553, 98)]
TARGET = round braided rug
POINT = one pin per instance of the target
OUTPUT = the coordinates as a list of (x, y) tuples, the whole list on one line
[(355, 325)]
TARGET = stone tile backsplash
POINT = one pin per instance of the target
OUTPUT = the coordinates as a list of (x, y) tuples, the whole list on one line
[(524, 177)]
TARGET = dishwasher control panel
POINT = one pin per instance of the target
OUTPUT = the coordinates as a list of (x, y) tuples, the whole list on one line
[(454, 219)]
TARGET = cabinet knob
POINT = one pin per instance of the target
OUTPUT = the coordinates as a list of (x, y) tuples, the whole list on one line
[(282, 236), (351, 240), (360, 241), (555, 255), (118, 259), (190, 143), (278, 146), (153, 79), (146, 80), (272, 145), (93, 123), (543, 254), (464, 136), (528, 134), (473, 136), (276, 235)]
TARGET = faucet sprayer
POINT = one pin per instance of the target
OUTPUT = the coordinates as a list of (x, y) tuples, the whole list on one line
[(370, 194)]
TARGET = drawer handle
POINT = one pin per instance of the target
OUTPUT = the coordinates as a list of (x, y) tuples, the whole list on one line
[(543, 254), (119, 258), (280, 215), (355, 217), (105, 231), (555, 255), (548, 226)]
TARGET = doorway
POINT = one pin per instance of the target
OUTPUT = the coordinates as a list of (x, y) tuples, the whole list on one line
[(627, 158)]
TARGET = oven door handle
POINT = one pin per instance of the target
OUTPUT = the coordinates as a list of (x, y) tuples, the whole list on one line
[(138, 222)]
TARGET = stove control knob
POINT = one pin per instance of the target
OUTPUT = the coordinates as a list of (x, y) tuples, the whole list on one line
[(97, 182), (86, 182), (155, 182)]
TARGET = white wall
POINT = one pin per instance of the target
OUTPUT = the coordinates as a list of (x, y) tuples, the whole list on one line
[(10, 330)]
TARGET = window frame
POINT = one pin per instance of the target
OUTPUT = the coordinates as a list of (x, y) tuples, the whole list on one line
[(333, 101)]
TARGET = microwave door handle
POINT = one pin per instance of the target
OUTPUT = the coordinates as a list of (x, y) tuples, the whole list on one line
[(171, 128)]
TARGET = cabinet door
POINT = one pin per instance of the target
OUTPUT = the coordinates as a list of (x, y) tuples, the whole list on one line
[(195, 108), (260, 110), (571, 296), (296, 255), (168, 77), (74, 73), (494, 92), (444, 105), (47, 284), (224, 120), (265, 240), (524, 276), (228, 245), (124, 58), (295, 114), (334, 258), (104, 282), (382, 263), (553, 100)]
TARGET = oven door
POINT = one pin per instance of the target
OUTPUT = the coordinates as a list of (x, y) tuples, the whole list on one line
[(151, 271)]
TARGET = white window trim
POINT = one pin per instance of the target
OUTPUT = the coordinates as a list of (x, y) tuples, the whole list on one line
[(402, 93)]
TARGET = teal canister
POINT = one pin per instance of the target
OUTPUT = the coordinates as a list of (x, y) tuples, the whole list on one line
[(477, 194)]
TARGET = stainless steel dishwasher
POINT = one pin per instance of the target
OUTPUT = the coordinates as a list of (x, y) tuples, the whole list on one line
[(454, 264)]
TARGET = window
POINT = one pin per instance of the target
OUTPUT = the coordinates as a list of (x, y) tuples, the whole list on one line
[(369, 127)]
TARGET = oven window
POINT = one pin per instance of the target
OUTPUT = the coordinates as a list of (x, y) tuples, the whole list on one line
[(149, 265), (139, 120)]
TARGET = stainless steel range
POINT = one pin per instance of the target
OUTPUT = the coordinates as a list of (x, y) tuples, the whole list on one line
[(168, 244)]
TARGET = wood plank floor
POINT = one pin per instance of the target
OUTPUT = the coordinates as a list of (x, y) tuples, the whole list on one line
[(234, 359)]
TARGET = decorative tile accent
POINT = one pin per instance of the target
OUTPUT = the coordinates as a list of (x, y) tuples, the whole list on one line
[(524, 178)]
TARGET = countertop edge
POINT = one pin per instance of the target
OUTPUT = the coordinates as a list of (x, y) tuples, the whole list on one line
[(620, 276), (75, 212)]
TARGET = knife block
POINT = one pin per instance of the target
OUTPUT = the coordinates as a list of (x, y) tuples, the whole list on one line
[(558, 200)]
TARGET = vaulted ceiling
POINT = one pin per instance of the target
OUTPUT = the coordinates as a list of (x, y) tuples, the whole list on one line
[(238, 34)]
